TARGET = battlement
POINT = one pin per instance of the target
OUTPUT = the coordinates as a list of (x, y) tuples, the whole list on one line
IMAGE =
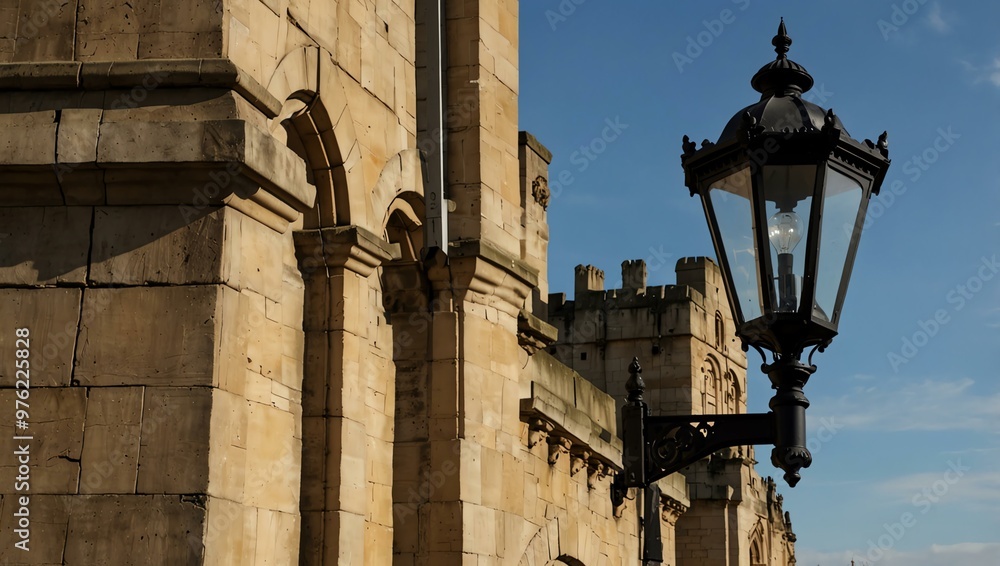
[(587, 278), (697, 277)]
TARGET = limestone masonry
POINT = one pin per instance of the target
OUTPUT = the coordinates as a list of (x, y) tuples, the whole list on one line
[(231, 345)]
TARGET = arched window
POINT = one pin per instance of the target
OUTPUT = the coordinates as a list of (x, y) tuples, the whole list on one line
[(720, 330), (755, 554), (758, 552), (711, 394)]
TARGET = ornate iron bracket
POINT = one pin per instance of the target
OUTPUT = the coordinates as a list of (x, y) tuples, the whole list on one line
[(655, 447)]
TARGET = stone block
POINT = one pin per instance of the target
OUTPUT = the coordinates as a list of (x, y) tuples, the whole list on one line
[(138, 245), (276, 538), (106, 46), (44, 246), (379, 547), (110, 462), (274, 459), (444, 526), (51, 317), (227, 457), (170, 332), (345, 466), (45, 31), (174, 448), (314, 446), (55, 421), (49, 515), (28, 138), (492, 478), (119, 529), (233, 341), (345, 538), (225, 538)]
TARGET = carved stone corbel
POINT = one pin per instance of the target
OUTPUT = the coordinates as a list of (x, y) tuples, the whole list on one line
[(578, 459), (595, 471), (538, 430), (671, 509), (558, 445)]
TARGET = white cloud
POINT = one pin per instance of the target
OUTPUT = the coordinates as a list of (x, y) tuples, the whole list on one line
[(957, 483), (961, 554), (936, 20), (988, 73), (897, 404)]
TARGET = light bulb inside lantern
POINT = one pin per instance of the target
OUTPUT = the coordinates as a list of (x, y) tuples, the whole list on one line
[(785, 231)]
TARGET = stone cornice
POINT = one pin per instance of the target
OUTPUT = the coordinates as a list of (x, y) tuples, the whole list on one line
[(480, 272), (573, 428), (231, 162), (527, 139), (350, 247), (533, 333), (169, 73)]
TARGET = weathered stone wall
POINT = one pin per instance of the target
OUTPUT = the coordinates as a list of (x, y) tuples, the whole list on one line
[(242, 354)]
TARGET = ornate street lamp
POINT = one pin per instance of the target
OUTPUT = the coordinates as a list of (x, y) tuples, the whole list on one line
[(785, 190)]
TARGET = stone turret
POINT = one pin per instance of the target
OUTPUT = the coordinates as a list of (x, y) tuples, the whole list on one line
[(634, 275), (588, 278)]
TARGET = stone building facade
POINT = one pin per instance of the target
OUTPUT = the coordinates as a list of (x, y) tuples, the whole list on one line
[(240, 349)]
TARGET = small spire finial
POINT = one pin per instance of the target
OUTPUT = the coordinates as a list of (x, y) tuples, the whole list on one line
[(635, 385), (781, 41)]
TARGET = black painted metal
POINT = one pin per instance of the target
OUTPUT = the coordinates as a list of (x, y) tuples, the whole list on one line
[(655, 447), (781, 130), (652, 542), (785, 130)]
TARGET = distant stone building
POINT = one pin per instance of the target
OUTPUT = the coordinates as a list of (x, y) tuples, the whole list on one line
[(278, 270), (723, 513)]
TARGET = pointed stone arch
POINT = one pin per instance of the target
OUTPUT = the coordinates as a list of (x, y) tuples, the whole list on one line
[(711, 372), (562, 541), (757, 546)]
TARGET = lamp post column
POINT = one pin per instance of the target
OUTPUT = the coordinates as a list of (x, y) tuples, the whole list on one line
[(788, 375)]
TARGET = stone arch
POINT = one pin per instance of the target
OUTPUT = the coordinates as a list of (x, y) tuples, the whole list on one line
[(317, 123), (550, 546), (734, 390), (720, 331), (711, 385), (399, 196)]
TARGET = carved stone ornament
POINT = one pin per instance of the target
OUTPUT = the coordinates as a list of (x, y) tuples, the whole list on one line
[(538, 430), (671, 509), (578, 459), (558, 445), (595, 471), (540, 191)]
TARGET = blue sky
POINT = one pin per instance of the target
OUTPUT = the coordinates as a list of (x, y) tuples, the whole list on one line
[(906, 439)]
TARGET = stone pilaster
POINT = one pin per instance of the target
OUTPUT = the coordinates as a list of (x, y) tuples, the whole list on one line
[(338, 510)]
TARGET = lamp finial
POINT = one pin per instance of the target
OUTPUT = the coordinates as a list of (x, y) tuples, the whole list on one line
[(781, 41)]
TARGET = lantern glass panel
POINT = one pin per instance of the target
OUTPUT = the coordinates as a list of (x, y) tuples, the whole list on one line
[(841, 203), (788, 196), (730, 199)]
